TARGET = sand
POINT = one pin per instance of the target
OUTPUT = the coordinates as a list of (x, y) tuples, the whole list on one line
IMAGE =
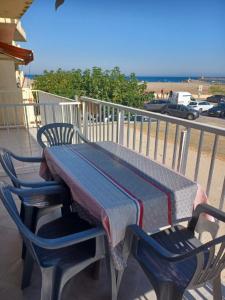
[(192, 87)]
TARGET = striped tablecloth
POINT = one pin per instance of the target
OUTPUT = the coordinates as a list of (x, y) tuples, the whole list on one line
[(120, 187)]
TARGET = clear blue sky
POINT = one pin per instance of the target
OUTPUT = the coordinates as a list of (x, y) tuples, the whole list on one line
[(148, 37)]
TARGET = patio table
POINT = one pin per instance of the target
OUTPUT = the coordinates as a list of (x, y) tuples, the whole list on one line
[(120, 187)]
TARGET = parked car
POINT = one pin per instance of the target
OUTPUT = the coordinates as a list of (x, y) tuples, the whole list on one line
[(181, 111), (155, 105), (216, 99), (200, 105), (217, 111)]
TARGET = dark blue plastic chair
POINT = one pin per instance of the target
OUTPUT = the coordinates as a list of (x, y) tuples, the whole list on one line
[(175, 260), (33, 208), (41, 205), (61, 248), (6, 160), (56, 134)]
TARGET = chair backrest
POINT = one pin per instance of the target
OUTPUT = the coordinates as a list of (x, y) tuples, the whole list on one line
[(210, 264), (58, 134), (210, 258), (8, 201), (7, 165)]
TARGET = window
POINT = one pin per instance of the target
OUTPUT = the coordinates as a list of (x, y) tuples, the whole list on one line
[(172, 106), (193, 103), (182, 108)]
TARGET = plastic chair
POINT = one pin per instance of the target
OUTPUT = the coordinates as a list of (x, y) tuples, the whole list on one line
[(33, 208), (6, 160), (175, 260), (57, 134), (61, 248)]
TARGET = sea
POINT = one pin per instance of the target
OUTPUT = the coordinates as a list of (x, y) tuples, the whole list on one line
[(167, 78)]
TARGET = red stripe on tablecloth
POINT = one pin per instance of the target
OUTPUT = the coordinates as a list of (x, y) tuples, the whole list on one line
[(136, 171), (137, 201)]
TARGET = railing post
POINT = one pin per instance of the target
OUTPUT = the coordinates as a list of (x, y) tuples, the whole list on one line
[(79, 117), (84, 118), (121, 126), (118, 126), (183, 151), (221, 204)]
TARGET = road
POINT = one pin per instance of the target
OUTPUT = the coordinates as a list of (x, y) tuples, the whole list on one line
[(219, 122)]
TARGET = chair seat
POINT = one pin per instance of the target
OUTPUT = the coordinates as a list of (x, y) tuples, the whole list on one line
[(63, 226), (177, 240)]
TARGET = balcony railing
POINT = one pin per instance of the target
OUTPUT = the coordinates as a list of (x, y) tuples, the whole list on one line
[(193, 149)]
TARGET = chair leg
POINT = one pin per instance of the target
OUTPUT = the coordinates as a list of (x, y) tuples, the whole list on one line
[(48, 275), (168, 291), (22, 212), (113, 277), (27, 270), (66, 203), (52, 283), (28, 221), (65, 210), (95, 270), (217, 291)]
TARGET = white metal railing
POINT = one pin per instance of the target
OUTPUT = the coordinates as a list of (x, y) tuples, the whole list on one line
[(19, 124), (193, 149)]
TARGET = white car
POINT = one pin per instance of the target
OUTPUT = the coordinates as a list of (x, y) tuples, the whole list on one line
[(200, 105)]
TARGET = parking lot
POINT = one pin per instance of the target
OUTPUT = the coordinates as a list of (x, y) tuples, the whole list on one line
[(219, 122)]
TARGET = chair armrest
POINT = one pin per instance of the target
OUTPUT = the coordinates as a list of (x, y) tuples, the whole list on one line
[(26, 159), (82, 137), (69, 240), (207, 209), (25, 183), (62, 242), (159, 250), (138, 234), (44, 190)]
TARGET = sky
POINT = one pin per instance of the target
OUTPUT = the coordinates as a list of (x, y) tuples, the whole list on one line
[(148, 37)]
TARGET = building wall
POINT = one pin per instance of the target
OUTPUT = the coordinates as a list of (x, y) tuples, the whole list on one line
[(9, 93)]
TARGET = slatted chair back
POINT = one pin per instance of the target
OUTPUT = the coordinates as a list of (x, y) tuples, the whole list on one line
[(56, 134), (7, 165), (209, 266)]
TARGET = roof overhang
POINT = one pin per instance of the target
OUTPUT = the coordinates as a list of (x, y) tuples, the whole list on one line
[(19, 55), (14, 9)]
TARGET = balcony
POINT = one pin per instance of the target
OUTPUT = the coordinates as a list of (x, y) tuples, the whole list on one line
[(193, 149)]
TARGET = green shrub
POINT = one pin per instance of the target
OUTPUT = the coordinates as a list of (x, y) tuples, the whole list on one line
[(108, 85)]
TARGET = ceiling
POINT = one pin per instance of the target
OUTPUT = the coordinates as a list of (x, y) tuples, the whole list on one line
[(14, 9)]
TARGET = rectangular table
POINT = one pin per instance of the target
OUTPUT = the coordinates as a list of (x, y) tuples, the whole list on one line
[(120, 187)]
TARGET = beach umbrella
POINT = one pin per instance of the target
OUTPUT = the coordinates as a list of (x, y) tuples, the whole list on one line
[(58, 3)]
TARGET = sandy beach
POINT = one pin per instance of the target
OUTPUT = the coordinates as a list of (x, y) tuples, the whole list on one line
[(192, 87)]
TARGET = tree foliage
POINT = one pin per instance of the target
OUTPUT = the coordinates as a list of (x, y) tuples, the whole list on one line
[(108, 85)]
